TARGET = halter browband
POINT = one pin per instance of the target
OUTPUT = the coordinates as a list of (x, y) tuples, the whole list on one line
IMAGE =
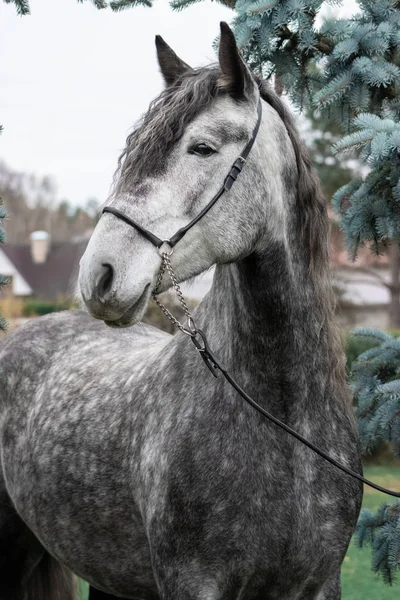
[(228, 183)]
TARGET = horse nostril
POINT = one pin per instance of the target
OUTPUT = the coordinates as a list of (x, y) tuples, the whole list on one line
[(105, 281)]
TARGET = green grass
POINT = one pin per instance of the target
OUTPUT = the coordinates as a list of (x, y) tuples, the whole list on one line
[(358, 581), (84, 588)]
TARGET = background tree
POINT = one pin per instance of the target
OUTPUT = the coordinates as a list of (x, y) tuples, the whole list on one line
[(23, 6), (31, 203)]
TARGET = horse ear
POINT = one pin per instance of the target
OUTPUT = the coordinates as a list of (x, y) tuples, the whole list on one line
[(235, 75), (171, 65)]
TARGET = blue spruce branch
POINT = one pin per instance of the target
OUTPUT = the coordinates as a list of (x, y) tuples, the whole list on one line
[(382, 532)]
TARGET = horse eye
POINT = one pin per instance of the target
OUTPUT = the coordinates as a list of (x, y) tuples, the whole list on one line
[(202, 150)]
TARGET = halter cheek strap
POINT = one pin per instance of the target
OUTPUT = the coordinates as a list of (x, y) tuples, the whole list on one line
[(230, 179)]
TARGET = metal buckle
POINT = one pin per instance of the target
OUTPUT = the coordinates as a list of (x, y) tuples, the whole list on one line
[(205, 353)]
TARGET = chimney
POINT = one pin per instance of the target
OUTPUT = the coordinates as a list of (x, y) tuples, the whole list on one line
[(40, 245)]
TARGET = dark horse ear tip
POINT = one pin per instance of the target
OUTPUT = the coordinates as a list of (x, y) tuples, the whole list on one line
[(225, 29), (161, 44), (171, 66)]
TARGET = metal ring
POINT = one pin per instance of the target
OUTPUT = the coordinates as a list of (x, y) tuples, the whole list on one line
[(163, 248), (188, 331), (191, 325)]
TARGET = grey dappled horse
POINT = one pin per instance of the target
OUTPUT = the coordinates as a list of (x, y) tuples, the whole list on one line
[(123, 459)]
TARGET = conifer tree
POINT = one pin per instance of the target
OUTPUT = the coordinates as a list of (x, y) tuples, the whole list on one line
[(23, 6), (376, 386)]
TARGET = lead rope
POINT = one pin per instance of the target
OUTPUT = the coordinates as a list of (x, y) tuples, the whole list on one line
[(200, 341)]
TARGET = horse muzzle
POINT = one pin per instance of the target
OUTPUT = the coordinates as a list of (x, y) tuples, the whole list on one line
[(105, 297)]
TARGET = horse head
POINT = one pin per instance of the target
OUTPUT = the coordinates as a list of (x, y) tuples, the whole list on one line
[(174, 162)]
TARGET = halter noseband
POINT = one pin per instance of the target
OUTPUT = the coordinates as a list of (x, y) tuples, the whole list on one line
[(230, 179)]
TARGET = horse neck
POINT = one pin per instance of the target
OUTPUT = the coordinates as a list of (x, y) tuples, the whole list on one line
[(264, 318)]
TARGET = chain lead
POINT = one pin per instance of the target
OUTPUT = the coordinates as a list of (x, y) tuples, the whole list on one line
[(190, 329)]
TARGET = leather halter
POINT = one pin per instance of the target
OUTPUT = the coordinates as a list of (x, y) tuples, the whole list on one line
[(230, 179)]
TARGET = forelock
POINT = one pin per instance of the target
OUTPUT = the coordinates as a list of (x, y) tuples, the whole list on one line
[(149, 144)]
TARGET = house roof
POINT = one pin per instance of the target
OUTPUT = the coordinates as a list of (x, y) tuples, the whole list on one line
[(56, 276)]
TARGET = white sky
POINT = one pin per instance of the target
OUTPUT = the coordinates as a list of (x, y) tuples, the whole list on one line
[(73, 81)]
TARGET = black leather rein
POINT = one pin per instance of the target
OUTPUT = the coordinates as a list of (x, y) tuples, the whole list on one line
[(213, 363), (197, 336)]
